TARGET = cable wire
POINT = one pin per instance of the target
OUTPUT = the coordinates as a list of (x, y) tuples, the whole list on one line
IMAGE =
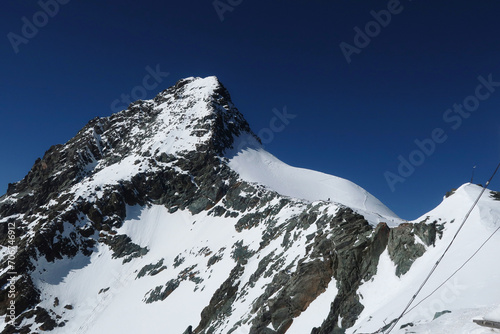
[(455, 272), (442, 256)]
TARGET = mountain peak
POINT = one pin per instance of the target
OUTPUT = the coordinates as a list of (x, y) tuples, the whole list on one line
[(198, 112), (195, 86), (209, 83), (195, 114)]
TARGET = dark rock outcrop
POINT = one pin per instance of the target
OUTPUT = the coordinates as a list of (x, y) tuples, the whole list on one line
[(404, 248), (220, 303), (357, 247)]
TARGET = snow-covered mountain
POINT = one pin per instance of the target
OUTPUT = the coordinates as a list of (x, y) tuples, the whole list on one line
[(170, 217)]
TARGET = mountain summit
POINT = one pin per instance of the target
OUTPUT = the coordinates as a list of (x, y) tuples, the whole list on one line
[(170, 217)]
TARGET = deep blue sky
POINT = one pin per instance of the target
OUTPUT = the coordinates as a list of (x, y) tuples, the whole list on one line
[(353, 120)]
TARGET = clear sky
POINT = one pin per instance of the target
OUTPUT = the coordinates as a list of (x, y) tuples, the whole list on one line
[(367, 81)]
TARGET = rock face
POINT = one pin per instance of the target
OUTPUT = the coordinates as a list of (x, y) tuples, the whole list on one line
[(169, 152), (403, 246)]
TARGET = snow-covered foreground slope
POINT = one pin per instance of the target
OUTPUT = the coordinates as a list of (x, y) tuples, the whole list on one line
[(107, 295), (472, 293), (120, 307)]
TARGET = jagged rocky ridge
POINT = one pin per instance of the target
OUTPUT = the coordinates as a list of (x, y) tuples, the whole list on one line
[(285, 253)]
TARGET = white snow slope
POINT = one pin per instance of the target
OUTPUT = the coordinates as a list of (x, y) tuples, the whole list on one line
[(256, 165), (108, 298), (472, 293)]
